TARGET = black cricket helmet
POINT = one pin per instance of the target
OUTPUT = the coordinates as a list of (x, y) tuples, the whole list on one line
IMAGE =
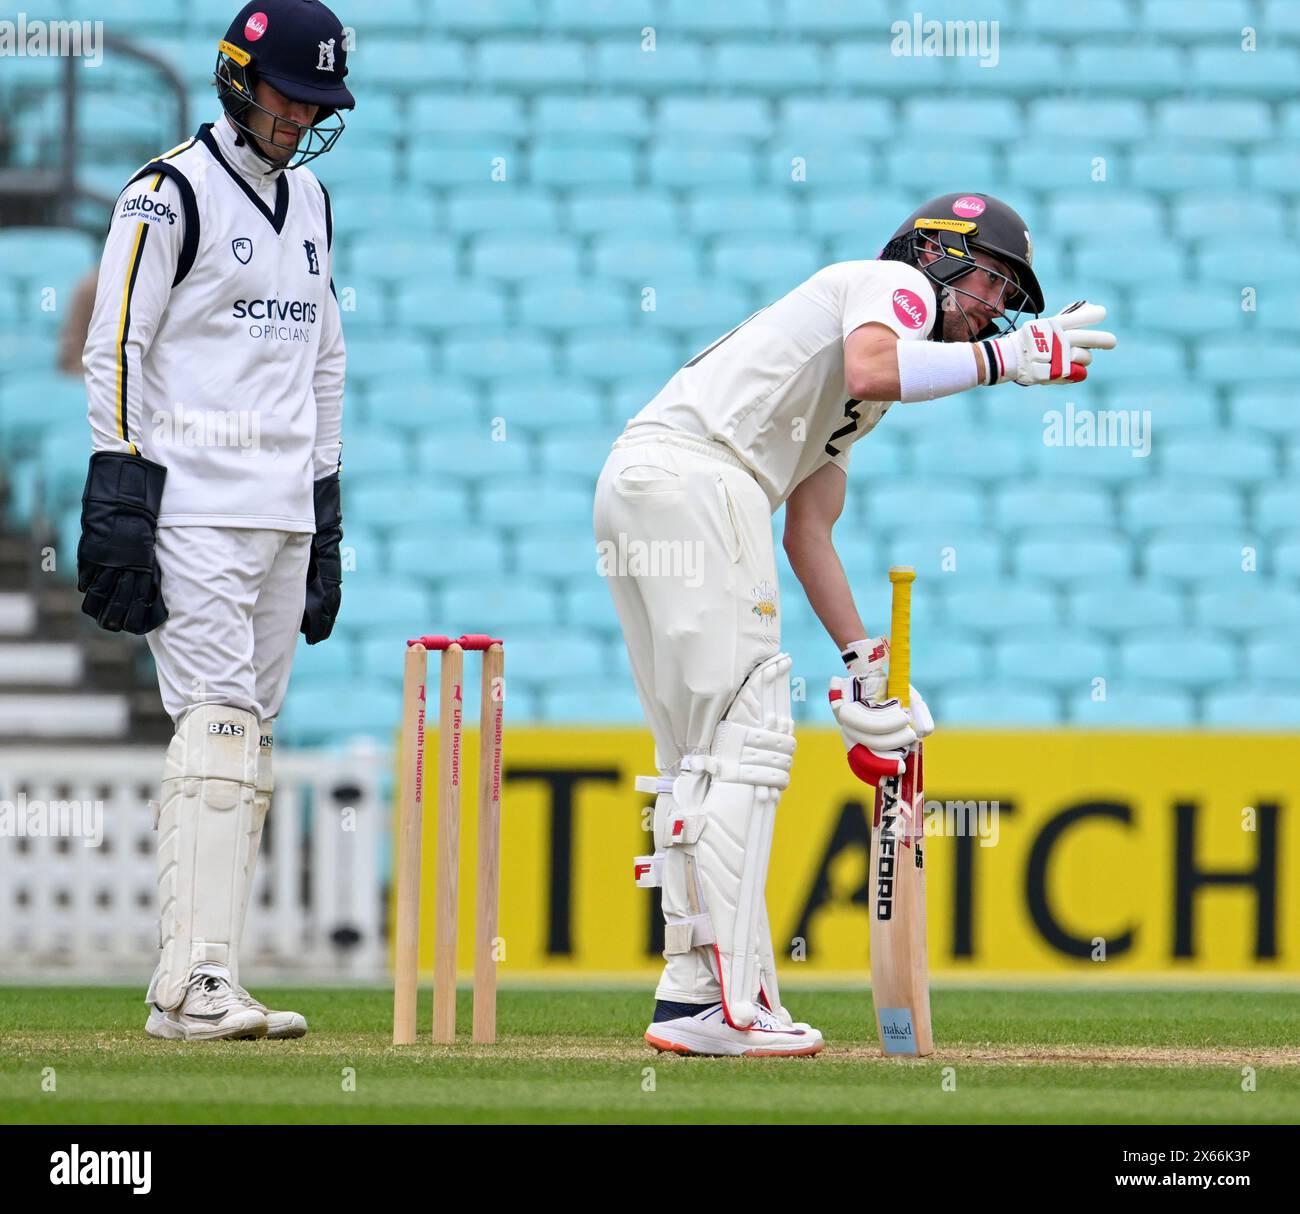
[(297, 47), (953, 225)]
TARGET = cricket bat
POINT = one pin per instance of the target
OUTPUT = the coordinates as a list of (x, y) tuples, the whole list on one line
[(900, 975)]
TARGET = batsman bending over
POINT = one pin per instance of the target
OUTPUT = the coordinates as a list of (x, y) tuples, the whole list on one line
[(765, 416)]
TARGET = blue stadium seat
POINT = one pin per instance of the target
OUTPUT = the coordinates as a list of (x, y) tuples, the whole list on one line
[(683, 305), (1188, 311), (792, 162), (1143, 358), (1132, 706), (628, 396), (358, 167), (1173, 170), (464, 160), (1253, 709), (375, 457), (1286, 556), (1170, 503), (409, 405), (874, 68), (712, 117), (356, 709), (319, 663), (894, 502), (588, 606), (1191, 554), (582, 456), (765, 259), (974, 118), (1273, 659), (1122, 608), (483, 354), (1024, 68), (1198, 213), (1049, 164), (556, 658), (1223, 120), (1066, 556), (1098, 18), (518, 500), (442, 304), (422, 554), (939, 660), (1190, 659), (1053, 661), (1110, 119), (46, 254), (473, 454), (571, 162), (531, 63), (1188, 19), (928, 164), (374, 356), (1142, 69), (1102, 211), (573, 304), (733, 212), (1232, 361), (821, 18), (403, 65), (1241, 459), (597, 212), (1051, 503), (397, 506), (1254, 266), (442, 114), (588, 17), (767, 67), (503, 208), (978, 455), (1280, 17), (1125, 260), (384, 603), (996, 607), (736, 17), (613, 702), (1264, 72), (23, 352), (512, 257), (1246, 609), (484, 16), (607, 354), (383, 217), (1277, 506), (953, 552), (871, 216), (541, 405), (546, 553), (584, 115), (393, 258), (621, 63), (995, 705), (690, 163), (33, 403), (500, 608)]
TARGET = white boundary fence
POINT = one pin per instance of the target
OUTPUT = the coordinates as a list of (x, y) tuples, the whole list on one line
[(77, 908)]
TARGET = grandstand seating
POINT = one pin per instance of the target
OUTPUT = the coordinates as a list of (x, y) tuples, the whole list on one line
[(538, 219)]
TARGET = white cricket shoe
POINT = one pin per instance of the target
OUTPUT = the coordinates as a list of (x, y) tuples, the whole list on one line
[(709, 1033), (210, 1011), (280, 1026)]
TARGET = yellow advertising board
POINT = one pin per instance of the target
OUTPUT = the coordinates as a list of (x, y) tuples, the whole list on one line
[(1080, 854)]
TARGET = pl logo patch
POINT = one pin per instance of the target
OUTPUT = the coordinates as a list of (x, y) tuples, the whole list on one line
[(242, 248), (313, 264)]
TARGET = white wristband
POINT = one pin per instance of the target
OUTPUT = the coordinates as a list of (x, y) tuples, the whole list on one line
[(928, 369)]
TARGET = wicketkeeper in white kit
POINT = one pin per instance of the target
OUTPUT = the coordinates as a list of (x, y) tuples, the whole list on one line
[(767, 415), (211, 518)]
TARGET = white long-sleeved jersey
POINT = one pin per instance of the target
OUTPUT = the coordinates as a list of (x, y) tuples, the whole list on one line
[(773, 388), (215, 347)]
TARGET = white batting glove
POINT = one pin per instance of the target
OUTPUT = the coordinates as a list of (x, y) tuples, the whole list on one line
[(1052, 351), (877, 731)]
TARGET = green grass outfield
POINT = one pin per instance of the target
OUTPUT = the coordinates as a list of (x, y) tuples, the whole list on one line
[(1077, 1056)]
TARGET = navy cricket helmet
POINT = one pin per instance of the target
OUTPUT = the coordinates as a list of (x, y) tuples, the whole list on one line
[(297, 47)]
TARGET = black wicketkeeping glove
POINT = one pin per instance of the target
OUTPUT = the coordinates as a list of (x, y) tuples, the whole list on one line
[(116, 565), (324, 567)]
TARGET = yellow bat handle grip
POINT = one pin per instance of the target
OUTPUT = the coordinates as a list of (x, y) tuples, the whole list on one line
[(900, 642)]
